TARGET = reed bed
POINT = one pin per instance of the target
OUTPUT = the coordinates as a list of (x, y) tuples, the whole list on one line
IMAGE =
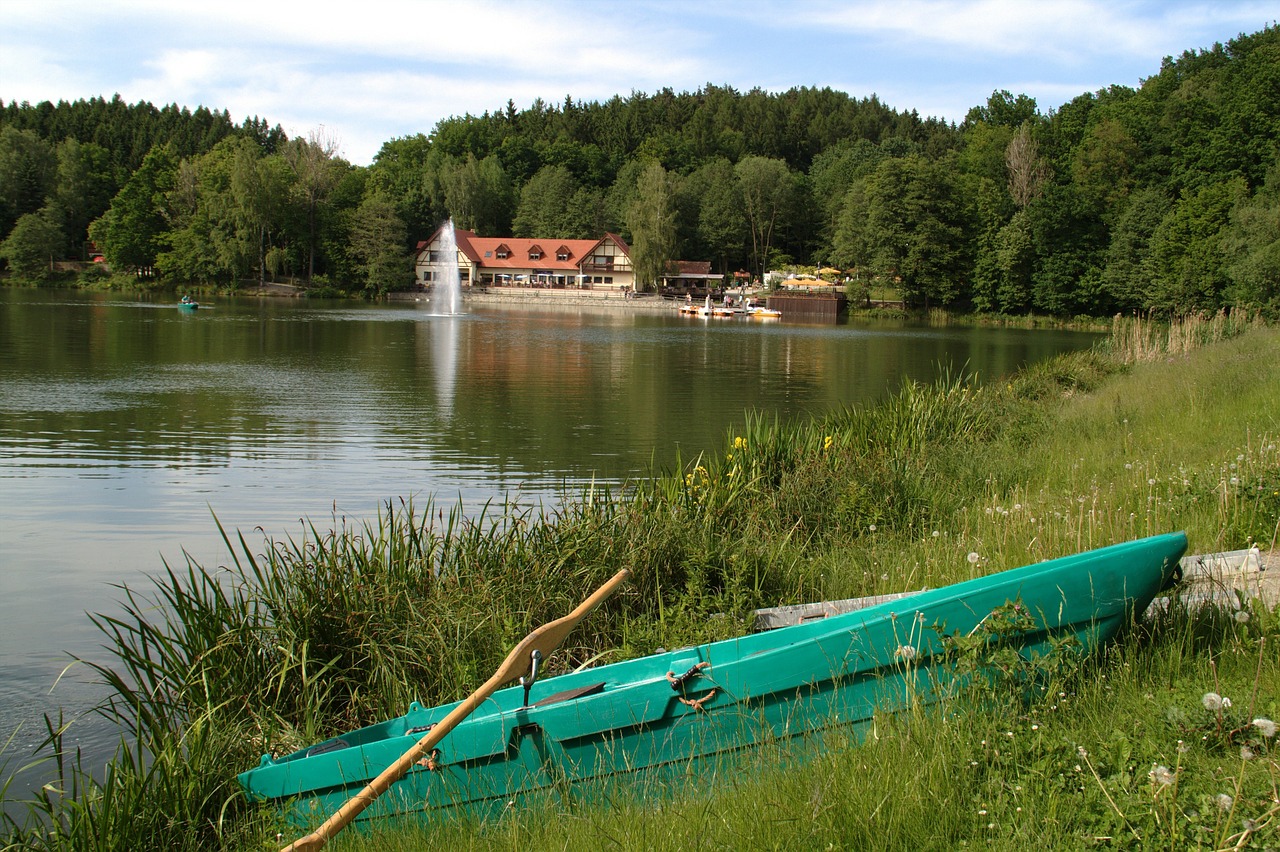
[(295, 640)]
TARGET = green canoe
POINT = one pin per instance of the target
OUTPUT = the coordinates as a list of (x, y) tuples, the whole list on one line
[(669, 709)]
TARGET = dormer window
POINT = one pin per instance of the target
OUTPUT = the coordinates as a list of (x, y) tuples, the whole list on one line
[(535, 252), (563, 253), (502, 251)]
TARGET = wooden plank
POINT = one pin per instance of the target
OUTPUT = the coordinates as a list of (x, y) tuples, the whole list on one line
[(1230, 579)]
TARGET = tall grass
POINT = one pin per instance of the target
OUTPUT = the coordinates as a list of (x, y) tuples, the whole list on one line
[(301, 638)]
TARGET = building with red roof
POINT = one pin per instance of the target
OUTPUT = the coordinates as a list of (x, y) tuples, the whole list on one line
[(603, 264)]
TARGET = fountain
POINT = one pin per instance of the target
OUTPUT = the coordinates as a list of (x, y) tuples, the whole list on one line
[(447, 288)]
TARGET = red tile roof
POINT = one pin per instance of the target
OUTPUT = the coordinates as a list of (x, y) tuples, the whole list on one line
[(485, 250)]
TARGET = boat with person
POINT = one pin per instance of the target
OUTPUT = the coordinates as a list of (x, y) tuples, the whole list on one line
[(675, 708), (186, 303)]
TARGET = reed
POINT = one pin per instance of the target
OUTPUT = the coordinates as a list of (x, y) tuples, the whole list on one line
[(295, 640)]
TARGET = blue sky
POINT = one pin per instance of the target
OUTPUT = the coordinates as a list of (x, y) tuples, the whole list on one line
[(366, 72)]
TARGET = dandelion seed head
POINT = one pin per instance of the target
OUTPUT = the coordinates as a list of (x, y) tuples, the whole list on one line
[(973, 558), (1241, 616), (906, 652), (1224, 802), (1161, 775), (1212, 701), (1265, 726), (1246, 753)]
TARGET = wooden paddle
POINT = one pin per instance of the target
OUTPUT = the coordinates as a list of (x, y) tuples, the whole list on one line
[(544, 639)]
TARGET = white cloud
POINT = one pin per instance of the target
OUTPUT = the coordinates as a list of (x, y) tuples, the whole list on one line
[(384, 68)]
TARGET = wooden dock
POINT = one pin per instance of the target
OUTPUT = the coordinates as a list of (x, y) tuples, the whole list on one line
[(815, 307)]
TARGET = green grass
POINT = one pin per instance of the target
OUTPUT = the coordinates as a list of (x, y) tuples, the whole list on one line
[(1163, 428)]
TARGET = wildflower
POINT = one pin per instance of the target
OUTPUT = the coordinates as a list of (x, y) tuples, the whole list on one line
[(826, 443), (740, 443), (973, 558), (1080, 751), (1266, 727), (1224, 801), (936, 533), (1161, 775), (1241, 616), (872, 527), (906, 652)]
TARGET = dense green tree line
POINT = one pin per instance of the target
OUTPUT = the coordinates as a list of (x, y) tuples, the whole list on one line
[(1161, 197)]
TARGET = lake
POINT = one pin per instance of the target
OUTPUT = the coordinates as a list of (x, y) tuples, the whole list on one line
[(126, 424)]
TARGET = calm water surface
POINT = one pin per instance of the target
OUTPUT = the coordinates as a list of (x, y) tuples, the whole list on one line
[(125, 425)]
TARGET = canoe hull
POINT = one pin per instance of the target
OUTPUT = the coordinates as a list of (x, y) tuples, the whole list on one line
[(628, 717)]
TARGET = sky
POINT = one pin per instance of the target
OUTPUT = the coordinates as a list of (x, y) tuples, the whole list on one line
[(362, 72)]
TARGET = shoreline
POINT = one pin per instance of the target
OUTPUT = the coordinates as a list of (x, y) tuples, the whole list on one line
[(531, 297)]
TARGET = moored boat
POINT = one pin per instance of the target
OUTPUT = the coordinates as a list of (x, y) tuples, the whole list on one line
[(671, 708)]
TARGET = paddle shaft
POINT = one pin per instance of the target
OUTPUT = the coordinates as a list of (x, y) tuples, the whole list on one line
[(545, 639)]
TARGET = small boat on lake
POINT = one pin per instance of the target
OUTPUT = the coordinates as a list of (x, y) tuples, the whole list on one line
[(665, 711), (188, 304), (763, 313)]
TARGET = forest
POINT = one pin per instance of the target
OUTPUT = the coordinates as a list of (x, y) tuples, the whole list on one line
[(1162, 198)]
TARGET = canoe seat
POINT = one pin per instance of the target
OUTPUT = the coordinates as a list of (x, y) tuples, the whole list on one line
[(571, 694), (326, 747)]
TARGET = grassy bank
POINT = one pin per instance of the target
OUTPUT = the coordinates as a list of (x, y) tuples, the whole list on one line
[(1161, 429)]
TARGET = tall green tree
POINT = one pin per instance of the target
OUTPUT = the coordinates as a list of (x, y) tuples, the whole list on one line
[(917, 225), (653, 228), (768, 190), (33, 245), (315, 172), (720, 228), (546, 201), (1252, 242), (479, 194), (1188, 264), (82, 191), (131, 232), (377, 242), (260, 190), (28, 168)]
